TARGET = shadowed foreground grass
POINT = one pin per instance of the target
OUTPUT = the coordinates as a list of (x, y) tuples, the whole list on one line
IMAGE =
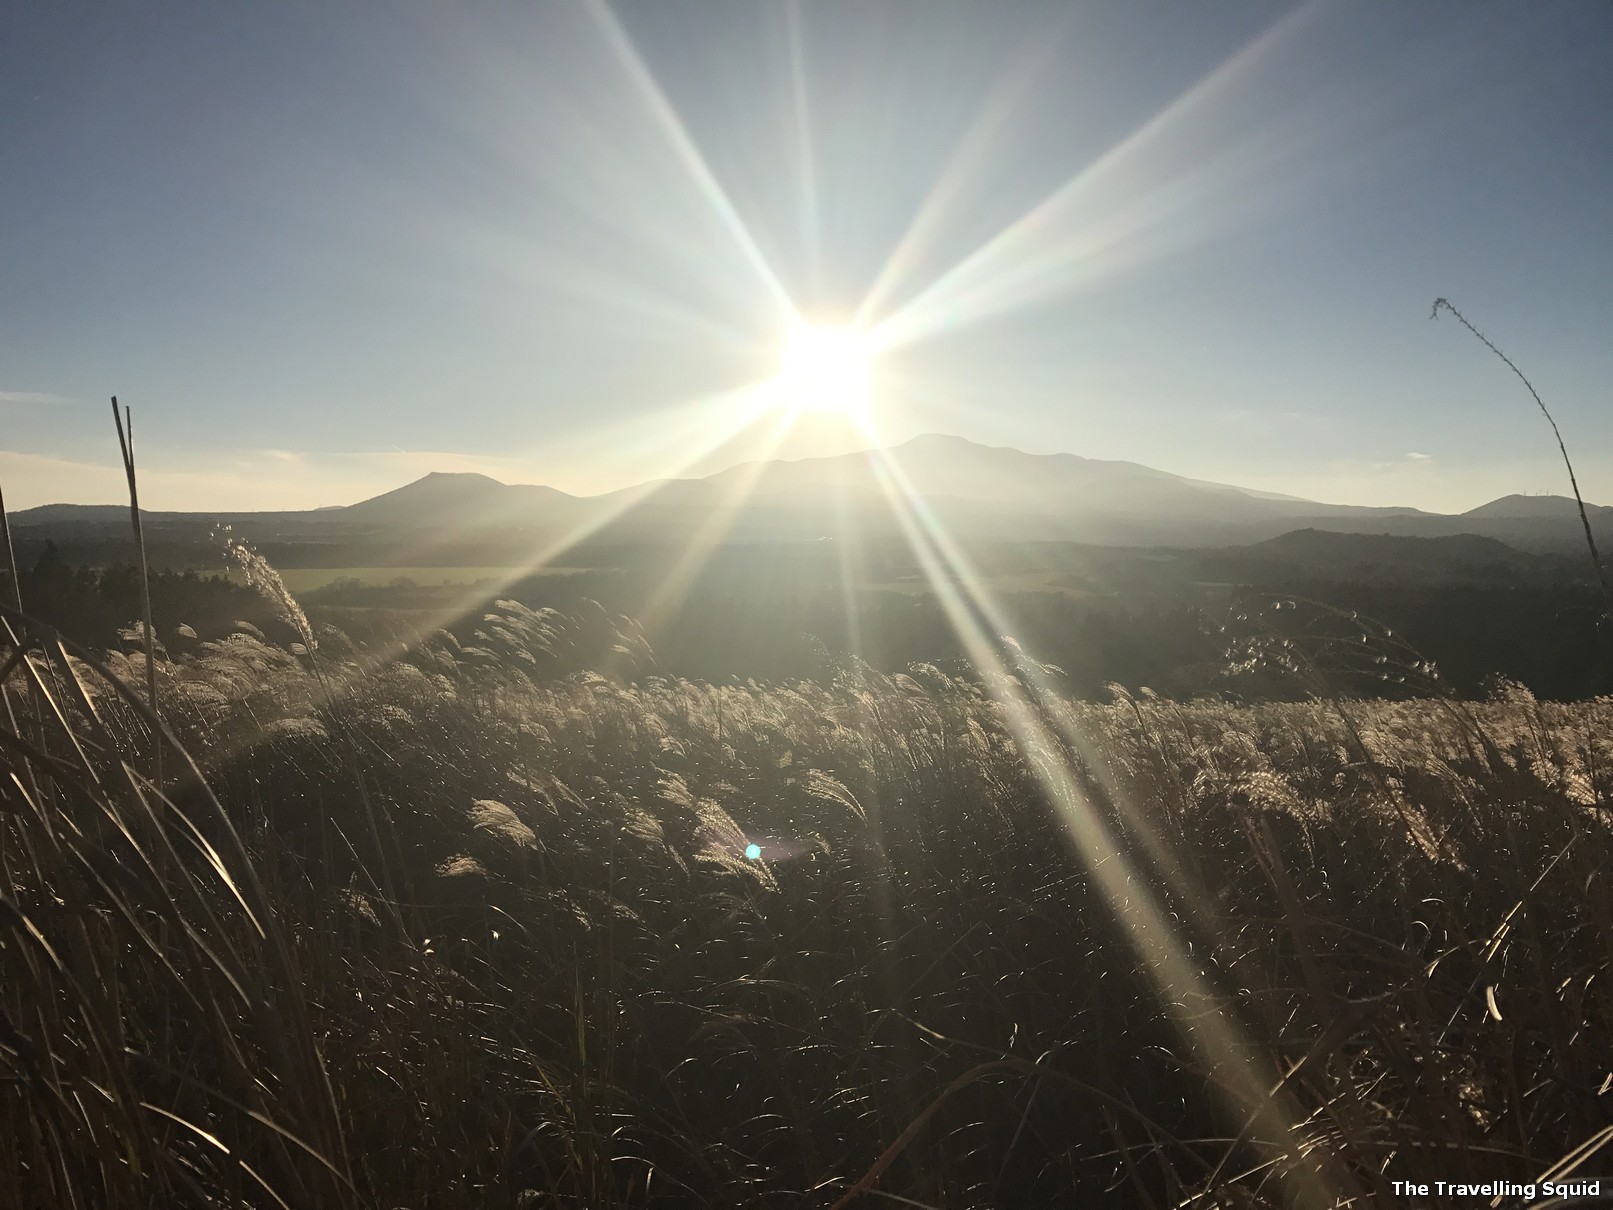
[(475, 927)]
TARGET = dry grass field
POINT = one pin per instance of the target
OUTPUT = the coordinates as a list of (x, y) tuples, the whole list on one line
[(308, 579), (517, 923), (920, 612)]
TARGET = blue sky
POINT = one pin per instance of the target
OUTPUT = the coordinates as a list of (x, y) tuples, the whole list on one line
[(324, 249)]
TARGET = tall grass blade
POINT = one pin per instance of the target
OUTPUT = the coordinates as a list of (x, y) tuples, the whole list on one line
[(11, 552), (1584, 518), (125, 427)]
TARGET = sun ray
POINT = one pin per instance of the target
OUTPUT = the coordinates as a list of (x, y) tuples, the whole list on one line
[(688, 153), (1155, 190), (709, 533), (592, 139), (811, 227), (829, 366), (965, 161), (743, 408), (1029, 705), (529, 262)]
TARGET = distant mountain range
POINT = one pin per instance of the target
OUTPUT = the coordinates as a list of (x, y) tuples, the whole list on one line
[(974, 491), (1334, 557)]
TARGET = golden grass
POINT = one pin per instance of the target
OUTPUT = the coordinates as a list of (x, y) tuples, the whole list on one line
[(478, 925)]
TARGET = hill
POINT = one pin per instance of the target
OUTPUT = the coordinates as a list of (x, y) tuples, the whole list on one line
[(1329, 555), (460, 500), (978, 493), (1518, 508)]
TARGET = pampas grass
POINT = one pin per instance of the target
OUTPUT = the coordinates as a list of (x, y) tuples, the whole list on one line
[(577, 990), (469, 924), (124, 422)]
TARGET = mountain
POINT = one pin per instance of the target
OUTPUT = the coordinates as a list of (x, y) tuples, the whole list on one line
[(1537, 508), (995, 478), (1546, 523), (978, 489), (1326, 546), (1364, 558), (72, 514), (975, 492), (460, 500), (951, 474)]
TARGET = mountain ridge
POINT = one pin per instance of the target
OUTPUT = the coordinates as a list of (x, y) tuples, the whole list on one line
[(970, 488)]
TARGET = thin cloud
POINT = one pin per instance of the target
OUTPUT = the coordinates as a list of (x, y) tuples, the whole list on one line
[(237, 480), (32, 398), (1414, 456)]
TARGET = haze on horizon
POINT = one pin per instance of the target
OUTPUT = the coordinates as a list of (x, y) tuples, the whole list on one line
[(321, 255)]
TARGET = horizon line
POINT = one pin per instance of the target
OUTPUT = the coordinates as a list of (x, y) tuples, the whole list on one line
[(639, 485)]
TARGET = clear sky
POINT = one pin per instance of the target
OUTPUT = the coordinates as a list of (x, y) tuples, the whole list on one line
[(322, 249)]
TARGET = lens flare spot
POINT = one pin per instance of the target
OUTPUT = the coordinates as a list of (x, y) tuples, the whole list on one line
[(753, 851)]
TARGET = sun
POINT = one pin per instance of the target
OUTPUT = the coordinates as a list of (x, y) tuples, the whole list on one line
[(826, 369)]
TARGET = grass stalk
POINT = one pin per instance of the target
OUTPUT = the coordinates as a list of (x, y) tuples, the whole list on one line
[(1573, 482), (11, 552), (125, 427)]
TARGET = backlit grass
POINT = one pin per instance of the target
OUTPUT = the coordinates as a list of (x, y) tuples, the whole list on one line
[(506, 942)]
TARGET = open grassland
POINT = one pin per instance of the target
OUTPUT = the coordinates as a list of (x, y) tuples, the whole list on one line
[(473, 925), (309, 579), (1000, 582)]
